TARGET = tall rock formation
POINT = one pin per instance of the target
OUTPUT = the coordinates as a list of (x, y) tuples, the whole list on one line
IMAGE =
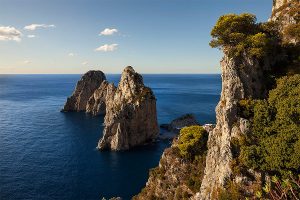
[(241, 78), (85, 88), (130, 118)]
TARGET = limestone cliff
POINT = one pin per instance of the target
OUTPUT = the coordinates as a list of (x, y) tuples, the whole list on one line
[(130, 118), (97, 102), (85, 87), (241, 78), (175, 177), (286, 13)]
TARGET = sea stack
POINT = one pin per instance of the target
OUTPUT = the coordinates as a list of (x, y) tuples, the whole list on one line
[(96, 104), (85, 88), (131, 118)]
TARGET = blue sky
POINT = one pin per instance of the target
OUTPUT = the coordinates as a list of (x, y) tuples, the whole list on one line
[(154, 36)]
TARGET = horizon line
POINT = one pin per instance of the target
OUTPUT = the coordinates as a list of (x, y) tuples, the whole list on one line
[(110, 73)]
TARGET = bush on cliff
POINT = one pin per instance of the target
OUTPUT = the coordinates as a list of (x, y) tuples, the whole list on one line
[(275, 139), (238, 34), (192, 141)]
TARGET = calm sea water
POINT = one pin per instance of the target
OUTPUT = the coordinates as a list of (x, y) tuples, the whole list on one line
[(45, 154)]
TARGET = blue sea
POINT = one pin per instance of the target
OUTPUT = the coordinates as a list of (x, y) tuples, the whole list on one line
[(46, 154)]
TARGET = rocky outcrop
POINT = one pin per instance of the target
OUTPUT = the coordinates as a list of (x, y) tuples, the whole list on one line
[(85, 88), (241, 78), (175, 177), (179, 123), (280, 8), (286, 13), (131, 117), (130, 109), (96, 104)]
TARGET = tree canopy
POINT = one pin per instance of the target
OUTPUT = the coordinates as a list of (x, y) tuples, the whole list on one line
[(241, 33)]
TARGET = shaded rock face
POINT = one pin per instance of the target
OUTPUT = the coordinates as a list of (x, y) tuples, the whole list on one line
[(85, 88), (131, 117), (241, 78), (96, 104)]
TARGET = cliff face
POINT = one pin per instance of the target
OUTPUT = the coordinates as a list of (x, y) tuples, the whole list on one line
[(279, 9), (96, 104), (286, 13), (85, 87), (241, 78), (175, 177), (130, 118)]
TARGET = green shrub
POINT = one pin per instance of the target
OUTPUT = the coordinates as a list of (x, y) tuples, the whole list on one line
[(192, 141), (239, 34), (275, 138), (245, 108)]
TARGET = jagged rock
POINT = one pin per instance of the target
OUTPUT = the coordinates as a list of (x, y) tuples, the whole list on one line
[(130, 118), (281, 15), (85, 87), (241, 78), (179, 123), (97, 102), (174, 177)]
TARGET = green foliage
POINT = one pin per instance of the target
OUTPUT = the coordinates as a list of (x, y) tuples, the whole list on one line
[(239, 34), (192, 141), (275, 140), (196, 173), (245, 108)]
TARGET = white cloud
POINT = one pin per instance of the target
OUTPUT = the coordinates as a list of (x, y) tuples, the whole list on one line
[(107, 47), (109, 31), (71, 54), (84, 63), (10, 33), (27, 62), (33, 27), (31, 36)]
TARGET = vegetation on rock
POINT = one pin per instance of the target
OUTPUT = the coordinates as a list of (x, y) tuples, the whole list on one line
[(238, 34), (289, 11), (181, 169), (274, 144), (192, 141)]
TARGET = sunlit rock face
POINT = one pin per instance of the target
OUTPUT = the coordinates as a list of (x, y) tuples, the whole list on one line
[(285, 13), (84, 89), (131, 117), (241, 78)]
